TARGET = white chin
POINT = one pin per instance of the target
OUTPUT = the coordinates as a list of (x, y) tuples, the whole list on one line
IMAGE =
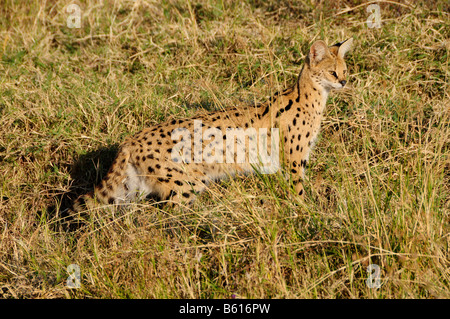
[(336, 86), (331, 86)]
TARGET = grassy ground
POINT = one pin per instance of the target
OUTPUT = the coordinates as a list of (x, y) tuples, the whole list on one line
[(378, 184)]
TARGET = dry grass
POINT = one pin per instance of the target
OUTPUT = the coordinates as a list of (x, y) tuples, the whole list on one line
[(378, 188)]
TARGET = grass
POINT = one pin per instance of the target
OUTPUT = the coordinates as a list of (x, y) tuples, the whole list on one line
[(378, 183)]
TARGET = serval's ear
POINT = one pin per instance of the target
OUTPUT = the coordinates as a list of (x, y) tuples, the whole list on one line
[(345, 47), (317, 52), (341, 48)]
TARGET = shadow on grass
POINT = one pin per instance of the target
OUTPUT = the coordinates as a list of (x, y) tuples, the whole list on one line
[(86, 172)]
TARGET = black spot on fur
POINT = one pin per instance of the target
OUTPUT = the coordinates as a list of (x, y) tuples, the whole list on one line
[(172, 193), (288, 107)]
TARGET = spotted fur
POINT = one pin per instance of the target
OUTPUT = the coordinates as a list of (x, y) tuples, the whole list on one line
[(144, 166)]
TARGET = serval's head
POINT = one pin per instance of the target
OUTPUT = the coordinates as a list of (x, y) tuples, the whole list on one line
[(326, 64)]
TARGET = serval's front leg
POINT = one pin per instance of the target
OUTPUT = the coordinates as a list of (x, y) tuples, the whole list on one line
[(297, 170)]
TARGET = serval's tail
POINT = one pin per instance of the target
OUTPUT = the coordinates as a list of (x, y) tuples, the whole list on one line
[(111, 189)]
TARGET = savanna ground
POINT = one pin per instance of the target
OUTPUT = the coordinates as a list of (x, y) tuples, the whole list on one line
[(378, 184)]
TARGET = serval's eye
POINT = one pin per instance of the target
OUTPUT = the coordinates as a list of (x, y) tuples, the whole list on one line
[(334, 74)]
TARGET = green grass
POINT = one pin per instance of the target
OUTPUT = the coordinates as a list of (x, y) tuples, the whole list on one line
[(378, 184)]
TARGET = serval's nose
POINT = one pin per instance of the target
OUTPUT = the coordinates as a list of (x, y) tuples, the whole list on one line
[(343, 82)]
